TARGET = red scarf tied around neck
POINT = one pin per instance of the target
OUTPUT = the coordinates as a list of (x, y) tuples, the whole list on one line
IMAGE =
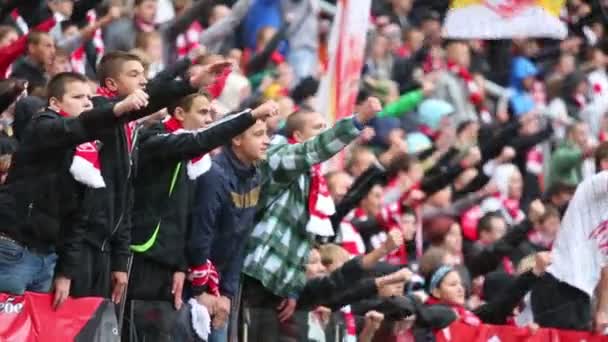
[(196, 166), (86, 167), (320, 204)]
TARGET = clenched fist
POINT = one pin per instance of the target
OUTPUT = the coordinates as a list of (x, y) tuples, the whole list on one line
[(136, 101), (266, 110), (394, 240)]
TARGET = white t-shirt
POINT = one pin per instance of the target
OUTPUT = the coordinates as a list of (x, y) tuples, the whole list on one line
[(581, 247)]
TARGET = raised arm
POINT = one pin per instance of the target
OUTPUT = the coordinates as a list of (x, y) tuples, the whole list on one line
[(289, 161), (198, 10), (227, 25), (190, 144), (65, 132)]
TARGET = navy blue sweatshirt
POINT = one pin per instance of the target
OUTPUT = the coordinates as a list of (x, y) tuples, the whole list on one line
[(222, 218)]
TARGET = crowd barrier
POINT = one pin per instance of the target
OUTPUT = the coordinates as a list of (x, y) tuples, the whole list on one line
[(458, 332), (30, 318)]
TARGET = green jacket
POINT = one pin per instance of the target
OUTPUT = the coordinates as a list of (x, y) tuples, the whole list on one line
[(565, 165), (406, 103)]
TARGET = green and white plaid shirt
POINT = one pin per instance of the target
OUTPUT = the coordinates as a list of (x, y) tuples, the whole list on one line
[(278, 248)]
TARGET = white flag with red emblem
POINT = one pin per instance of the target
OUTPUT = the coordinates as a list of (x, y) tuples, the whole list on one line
[(499, 19)]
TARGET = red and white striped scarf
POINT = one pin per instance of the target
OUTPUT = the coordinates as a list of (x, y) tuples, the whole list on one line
[(86, 166), (475, 93), (350, 239), (196, 166), (350, 324), (78, 57), (20, 22), (320, 204), (189, 40), (534, 160)]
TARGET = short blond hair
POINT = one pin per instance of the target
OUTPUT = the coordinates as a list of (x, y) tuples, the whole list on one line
[(331, 253)]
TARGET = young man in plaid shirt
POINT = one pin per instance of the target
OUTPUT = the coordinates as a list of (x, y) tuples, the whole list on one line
[(293, 209)]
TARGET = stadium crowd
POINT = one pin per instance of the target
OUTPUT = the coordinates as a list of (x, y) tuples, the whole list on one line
[(172, 152)]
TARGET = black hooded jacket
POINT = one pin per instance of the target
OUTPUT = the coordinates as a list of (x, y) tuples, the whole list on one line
[(107, 214), (41, 199)]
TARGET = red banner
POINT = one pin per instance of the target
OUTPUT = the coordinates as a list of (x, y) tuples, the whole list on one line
[(496, 333), (31, 318)]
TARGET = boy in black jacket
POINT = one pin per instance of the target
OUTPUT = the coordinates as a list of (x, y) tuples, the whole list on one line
[(44, 190), (225, 205), (172, 155), (108, 217)]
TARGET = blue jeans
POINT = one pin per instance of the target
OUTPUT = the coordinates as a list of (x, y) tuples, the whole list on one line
[(219, 335), (24, 270)]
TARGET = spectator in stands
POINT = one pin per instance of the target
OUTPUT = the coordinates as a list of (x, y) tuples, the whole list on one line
[(223, 216), (565, 163), (456, 84), (272, 264), (41, 234), (175, 151), (121, 34), (445, 286), (32, 67)]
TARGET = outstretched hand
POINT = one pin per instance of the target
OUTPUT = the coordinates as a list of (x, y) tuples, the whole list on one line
[(208, 73)]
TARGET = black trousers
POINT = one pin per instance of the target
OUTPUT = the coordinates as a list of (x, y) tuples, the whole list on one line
[(556, 304), (150, 280), (94, 277), (150, 315)]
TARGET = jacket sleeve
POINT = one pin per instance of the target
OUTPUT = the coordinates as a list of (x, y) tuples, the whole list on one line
[(199, 9), (120, 241), (68, 252), (289, 161), (488, 258), (497, 311), (79, 14), (522, 143), (206, 214), (65, 132), (318, 290), (406, 103), (225, 26), (432, 183), (188, 145), (259, 61), (162, 94), (172, 71), (362, 185), (230, 277), (492, 148)]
